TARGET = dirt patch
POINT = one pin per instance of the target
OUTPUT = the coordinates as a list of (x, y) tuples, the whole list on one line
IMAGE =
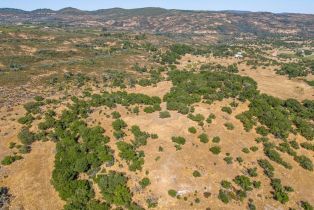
[(29, 180), (278, 85)]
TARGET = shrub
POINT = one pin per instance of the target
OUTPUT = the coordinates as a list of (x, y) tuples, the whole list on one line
[(223, 196), (216, 139), (164, 114), (275, 156), (254, 148), (119, 124), (229, 126), (226, 109), (294, 144), (149, 109), (228, 160), (268, 168), (256, 184), (306, 205), (178, 140), (244, 182), (239, 159), (203, 138), (246, 150), (262, 130), (24, 149), (196, 118), (115, 115), (192, 130), (7, 160), (210, 118), (27, 119), (252, 171), (279, 192), (304, 162), (26, 137), (307, 146), (172, 193), (144, 182), (196, 174), (225, 184), (215, 150)]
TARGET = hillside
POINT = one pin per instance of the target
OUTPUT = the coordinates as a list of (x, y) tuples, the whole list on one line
[(158, 20), (96, 117)]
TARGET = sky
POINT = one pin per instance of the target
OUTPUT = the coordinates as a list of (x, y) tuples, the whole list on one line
[(277, 6)]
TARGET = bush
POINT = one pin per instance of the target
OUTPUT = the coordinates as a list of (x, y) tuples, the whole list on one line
[(203, 138), (196, 174), (262, 130), (252, 171), (223, 196), (216, 139), (144, 182), (229, 126), (164, 114), (294, 144), (115, 115), (7, 160), (279, 192), (225, 184), (304, 162), (306, 205), (257, 184), (26, 137), (192, 130), (178, 140), (246, 150), (172, 193), (307, 146), (226, 109), (228, 160), (119, 124), (268, 168), (24, 149), (275, 156), (27, 119), (254, 148), (244, 182), (149, 109), (210, 118), (196, 118), (215, 150)]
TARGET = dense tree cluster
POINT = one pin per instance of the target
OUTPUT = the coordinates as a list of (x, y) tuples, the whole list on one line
[(190, 88)]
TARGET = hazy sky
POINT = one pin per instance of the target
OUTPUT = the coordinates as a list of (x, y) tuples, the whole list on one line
[(297, 6)]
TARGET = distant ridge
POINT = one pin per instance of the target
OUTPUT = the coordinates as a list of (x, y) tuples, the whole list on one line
[(158, 20)]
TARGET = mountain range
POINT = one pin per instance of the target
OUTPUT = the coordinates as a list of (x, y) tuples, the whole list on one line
[(159, 20)]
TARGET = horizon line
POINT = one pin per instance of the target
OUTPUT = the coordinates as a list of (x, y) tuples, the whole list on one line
[(192, 10)]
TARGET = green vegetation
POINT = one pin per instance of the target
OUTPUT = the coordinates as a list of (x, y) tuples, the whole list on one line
[(226, 109), (215, 150), (229, 126), (192, 130), (172, 193), (203, 138), (7, 160), (196, 174), (244, 182), (216, 139), (210, 118), (164, 114), (144, 182)]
